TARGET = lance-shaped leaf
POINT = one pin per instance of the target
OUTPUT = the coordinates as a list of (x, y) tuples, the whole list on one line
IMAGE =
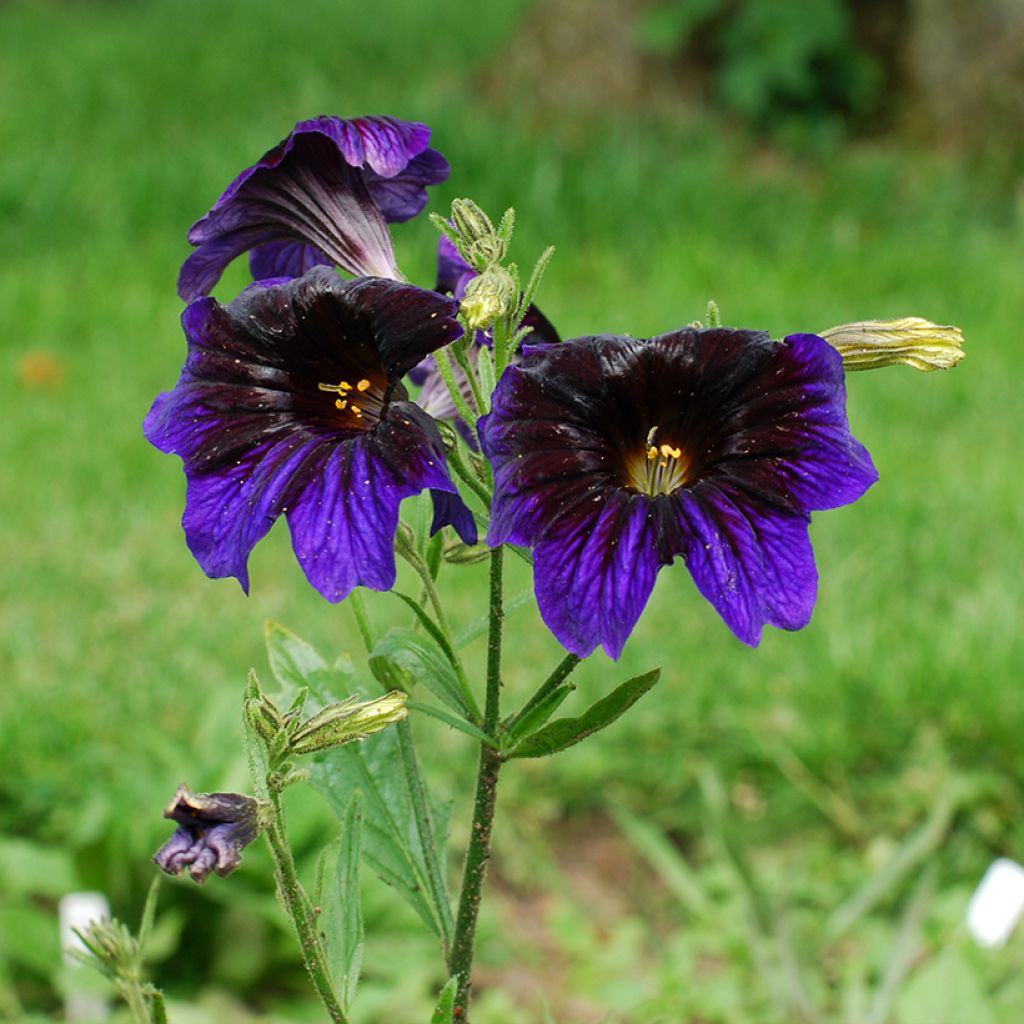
[(404, 658), (565, 732), (444, 1012), (341, 915), (398, 844), (531, 720)]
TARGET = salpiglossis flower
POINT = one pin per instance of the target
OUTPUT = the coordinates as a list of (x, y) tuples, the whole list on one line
[(213, 829), (322, 196), (291, 402), (613, 456)]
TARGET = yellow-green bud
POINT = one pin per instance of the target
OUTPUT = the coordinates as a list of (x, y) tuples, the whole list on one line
[(488, 297), (870, 344), (347, 721), (469, 221)]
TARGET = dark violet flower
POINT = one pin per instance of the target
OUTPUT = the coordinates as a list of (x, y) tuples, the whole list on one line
[(612, 456), (324, 195), (213, 828), (291, 402)]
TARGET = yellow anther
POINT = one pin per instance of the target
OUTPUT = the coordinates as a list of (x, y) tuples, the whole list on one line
[(340, 403), (652, 453), (669, 452), (356, 410), (363, 385)]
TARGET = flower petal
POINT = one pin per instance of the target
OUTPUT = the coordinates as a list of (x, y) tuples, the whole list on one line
[(594, 572), (277, 260), (319, 187), (451, 510), (403, 195), (754, 564), (343, 521)]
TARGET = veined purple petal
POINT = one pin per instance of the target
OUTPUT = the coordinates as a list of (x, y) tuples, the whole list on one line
[(277, 260), (343, 522), (330, 185), (402, 196), (594, 573)]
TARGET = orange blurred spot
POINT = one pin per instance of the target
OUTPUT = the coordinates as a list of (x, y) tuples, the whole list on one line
[(42, 370)]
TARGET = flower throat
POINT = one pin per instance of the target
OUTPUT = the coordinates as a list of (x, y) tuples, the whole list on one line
[(659, 468)]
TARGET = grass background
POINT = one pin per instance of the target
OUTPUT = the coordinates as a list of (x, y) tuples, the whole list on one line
[(121, 666)]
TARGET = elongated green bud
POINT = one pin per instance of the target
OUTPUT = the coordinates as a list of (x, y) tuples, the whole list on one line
[(347, 721), (870, 344)]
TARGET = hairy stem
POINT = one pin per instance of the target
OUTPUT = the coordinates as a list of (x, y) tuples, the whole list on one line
[(477, 855), (303, 917)]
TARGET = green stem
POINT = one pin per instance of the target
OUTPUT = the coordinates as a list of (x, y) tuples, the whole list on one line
[(303, 917), (465, 473), (477, 855), (131, 990), (355, 601), (444, 364), (552, 683), (462, 358)]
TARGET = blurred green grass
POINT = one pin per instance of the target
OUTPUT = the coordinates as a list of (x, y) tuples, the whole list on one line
[(121, 666)]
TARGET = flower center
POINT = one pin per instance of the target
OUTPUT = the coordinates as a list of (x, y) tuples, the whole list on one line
[(658, 468), (361, 404)]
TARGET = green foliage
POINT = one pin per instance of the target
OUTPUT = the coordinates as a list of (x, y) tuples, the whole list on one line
[(403, 833), (341, 912), (445, 1010), (793, 70), (120, 663), (566, 732)]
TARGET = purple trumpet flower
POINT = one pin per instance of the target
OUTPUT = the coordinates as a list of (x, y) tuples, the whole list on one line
[(291, 402), (612, 456), (322, 196)]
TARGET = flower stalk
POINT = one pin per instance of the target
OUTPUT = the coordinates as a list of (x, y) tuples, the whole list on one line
[(303, 917), (479, 851)]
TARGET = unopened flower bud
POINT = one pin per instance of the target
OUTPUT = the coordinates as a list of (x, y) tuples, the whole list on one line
[(212, 830), (347, 721), (466, 554), (870, 344), (470, 222), (264, 717), (488, 297)]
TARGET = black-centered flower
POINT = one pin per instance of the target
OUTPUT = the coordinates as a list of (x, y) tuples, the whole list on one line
[(612, 456), (291, 402), (324, 195), (213, 828)]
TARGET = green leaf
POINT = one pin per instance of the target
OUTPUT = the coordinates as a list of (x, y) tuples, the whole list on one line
[(394, 844), (533, 719), (444, 1012), (565, 732), (340, 902), (947, 990), (295, 664), (406, 658)]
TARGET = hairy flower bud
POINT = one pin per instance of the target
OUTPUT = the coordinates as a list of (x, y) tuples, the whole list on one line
[(488, 297), (870, 344), (347, 721), (478, 241)]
